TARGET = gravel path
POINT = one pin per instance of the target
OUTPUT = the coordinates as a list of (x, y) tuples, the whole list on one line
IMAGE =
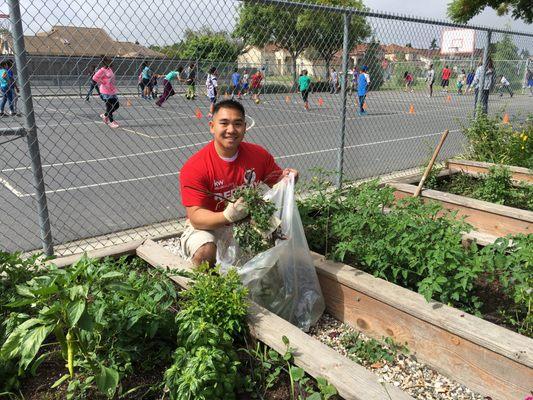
[(418, 380)]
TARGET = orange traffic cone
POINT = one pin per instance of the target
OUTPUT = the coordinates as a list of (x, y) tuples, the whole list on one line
[(198, 113), (449, 99), (128, 103), (411, 108), (320, 101), (364, 105), (505, 119), (287, 99)]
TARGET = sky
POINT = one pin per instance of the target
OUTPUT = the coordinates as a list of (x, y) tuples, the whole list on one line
[(165, 21)]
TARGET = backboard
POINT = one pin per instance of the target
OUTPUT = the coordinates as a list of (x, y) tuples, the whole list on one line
[(458, 41)]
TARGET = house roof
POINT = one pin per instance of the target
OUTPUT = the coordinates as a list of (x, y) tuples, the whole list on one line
[(82, 41)]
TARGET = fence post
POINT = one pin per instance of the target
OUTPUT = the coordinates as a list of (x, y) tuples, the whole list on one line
[(30, 126), (486, 52), (344, 77)]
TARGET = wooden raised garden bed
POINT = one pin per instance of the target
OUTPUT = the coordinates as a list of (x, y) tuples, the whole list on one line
[(518, 174), (352, 381), (485, 217), (485, 357)]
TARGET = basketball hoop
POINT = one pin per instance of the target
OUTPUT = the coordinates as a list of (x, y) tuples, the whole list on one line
[(458, 41)]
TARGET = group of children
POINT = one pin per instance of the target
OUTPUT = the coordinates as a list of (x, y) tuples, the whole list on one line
[(8, 87), (360, 83), (103, 81)]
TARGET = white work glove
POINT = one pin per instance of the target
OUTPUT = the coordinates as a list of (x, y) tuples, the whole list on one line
[(236, 211)]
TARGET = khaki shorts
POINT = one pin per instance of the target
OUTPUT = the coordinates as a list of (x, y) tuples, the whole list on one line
[(192, 239)]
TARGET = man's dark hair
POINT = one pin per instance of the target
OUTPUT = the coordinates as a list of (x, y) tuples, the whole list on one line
[(232, 104)]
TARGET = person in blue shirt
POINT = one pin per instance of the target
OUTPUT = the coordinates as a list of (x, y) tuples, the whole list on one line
[(362, 88), (236, 84), (7, 85), (146, 75)]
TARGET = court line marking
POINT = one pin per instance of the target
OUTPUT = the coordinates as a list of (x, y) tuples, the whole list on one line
[(100, 184), (353, 146), (21, 195), (102, 159), (10, 187)]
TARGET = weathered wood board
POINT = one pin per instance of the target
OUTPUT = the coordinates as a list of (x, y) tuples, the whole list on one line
[(518, 174), (493, 219)]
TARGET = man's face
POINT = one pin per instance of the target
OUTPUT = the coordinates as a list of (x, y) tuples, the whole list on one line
[(228, 127)]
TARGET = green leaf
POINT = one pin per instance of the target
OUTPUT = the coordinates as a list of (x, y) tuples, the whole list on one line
[(13, 344), (74, 311), (107, 380), (86, 322), (297, 373), (285, 340), (112, 274), (32, 343), (59, 381), (314, 396)]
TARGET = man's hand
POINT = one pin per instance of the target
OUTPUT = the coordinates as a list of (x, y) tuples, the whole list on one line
[(236, 211), (287, 171)]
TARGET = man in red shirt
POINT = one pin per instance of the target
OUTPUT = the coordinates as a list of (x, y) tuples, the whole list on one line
[(212, 174), (446, 74)]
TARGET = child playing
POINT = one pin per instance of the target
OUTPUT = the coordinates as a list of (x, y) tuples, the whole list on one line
[(304, 83), (256, 86), (211, 83), (362, 88)]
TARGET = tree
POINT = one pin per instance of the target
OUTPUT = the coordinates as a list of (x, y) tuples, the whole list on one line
[(203, 45), (373, 59), (326, 32), (506, 58), (259, 25), (433, 44), (462, 11)]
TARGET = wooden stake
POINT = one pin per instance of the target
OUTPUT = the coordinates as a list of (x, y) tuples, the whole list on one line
[(431, 162)]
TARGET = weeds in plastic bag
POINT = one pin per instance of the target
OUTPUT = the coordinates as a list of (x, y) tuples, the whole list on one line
[(258, 232)]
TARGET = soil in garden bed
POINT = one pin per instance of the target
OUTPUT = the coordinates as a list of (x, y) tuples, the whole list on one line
[(517, 196), (38, 386)]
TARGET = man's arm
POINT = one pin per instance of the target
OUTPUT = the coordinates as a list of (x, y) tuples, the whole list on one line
[(202, 218), (205, 219)]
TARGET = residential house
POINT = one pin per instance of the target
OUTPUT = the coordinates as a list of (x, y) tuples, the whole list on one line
[(74, 41)]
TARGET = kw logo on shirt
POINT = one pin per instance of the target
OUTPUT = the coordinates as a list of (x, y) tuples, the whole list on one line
[(218, 183)]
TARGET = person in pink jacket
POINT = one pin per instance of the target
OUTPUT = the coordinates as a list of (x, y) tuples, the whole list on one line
[(105, 77)]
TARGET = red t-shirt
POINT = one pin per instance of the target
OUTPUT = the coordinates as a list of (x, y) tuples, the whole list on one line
[(205, 170), (256, 80), (446, 72)]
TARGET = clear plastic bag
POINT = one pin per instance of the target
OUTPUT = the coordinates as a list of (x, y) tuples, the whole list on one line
[(283, 278)]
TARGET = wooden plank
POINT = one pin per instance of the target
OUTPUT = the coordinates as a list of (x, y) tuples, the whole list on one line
[(351, 380), (519, 174), (485, 357), (111, 251), (490, 218)]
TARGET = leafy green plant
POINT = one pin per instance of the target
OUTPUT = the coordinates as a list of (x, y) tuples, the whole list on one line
[(508, 263), (268, 366), (371, 351), (492, 141), (496, 187), (100, 316), (250, 233), (212, 317), (418, 246)]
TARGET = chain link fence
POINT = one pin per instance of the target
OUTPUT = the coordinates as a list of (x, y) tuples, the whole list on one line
[(67, 176)]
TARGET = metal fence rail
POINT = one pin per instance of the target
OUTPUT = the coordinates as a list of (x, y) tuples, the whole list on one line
[(77, 178)]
